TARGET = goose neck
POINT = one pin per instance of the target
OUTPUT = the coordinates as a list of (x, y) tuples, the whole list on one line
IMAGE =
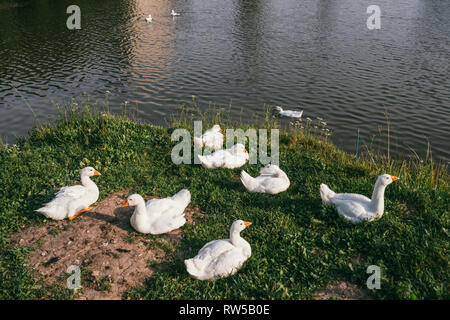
[(87, 182), (140, 208), (235, 237), (378, 198)]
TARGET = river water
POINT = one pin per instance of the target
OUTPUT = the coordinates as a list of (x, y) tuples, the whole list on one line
[(312, 55)]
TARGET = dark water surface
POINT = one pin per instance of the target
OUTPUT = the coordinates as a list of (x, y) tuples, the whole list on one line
[(316, 54)]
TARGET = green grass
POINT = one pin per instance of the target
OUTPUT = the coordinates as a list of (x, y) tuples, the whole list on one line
[(298, 244)]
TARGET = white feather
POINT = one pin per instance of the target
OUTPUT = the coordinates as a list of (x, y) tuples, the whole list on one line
[(289, 113), (272, 180), (159, 216), (212, 138), (69, 200), (356, 207), (232, 158), (220, 258)]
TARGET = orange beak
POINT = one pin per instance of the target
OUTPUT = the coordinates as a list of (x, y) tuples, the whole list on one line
[(125, 204), (394, 178), (247, 223), (245, 150), (96, 173), (220, 129)]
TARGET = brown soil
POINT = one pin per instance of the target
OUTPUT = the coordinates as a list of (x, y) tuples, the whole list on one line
[(342, 291), (112, 256)]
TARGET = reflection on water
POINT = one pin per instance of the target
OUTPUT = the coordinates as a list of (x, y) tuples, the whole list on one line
[(316, 54)]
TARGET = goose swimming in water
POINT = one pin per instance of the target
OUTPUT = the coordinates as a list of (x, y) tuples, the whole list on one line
[(289, 113)]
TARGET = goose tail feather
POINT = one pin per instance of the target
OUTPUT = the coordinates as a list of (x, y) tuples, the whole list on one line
[(248, 181), (326, 193)]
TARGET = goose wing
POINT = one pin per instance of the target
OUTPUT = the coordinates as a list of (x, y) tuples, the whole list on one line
[(159, 206), (166, 206), (227, 263), (351, 197), (213, 249), (351, 210), (73, 192)]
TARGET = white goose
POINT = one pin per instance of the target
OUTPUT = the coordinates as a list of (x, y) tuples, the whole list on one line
[(158, 216), (173, 13), (212, 138), (221, 258), (272, 180), (72, 201), (232, 158), (358, 208), (149, 18), (289, 113)]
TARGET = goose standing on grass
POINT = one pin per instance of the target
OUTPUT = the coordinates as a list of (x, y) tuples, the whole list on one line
[(232, 158), (221, 258), (289, 113), (173, 13), (72, 201), (358, 208), (272, 180), (158, 216), (212, 138), (149, 18)]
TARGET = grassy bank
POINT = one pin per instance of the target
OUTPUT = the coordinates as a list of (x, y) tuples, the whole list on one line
[(298, 244)]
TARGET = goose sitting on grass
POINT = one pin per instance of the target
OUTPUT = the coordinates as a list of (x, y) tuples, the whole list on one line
[(212, 138), (272, 180), (158, 216), (221, 258), (173, 13), (149, 18), (358, 208), (289, 113), (232, 158), (72, 201)]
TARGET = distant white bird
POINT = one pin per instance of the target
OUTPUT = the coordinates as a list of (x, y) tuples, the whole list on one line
[(221, 258), (173, 13), (272, 180), (158, 216), (232, 158), (355, 207), (212, 138), (149, 18), (289, 113)]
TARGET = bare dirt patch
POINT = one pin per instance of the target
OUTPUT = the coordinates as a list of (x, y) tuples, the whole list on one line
[(112, 256), (342, 291)]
